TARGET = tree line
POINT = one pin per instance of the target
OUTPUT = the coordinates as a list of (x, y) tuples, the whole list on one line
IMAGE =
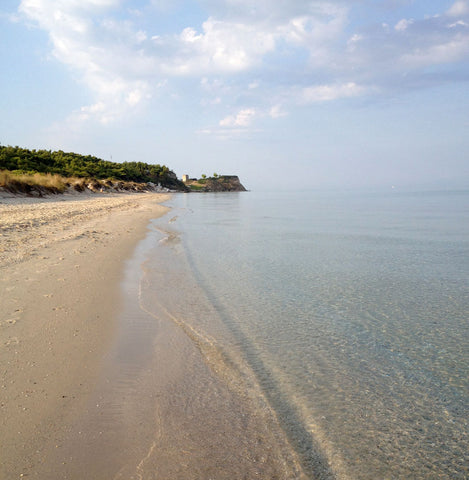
[(67, 164)]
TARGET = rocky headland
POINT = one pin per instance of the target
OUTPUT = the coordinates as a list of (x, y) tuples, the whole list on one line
[(222, 183)]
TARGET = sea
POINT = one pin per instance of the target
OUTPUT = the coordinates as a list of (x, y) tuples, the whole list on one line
[(347, 312)]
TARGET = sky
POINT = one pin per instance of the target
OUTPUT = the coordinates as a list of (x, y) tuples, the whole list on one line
[(310, 93)]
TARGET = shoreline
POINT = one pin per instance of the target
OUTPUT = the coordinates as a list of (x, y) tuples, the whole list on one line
[(61, 263), (99, 378)]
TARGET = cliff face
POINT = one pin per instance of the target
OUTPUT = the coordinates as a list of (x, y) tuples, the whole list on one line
[(224, 183)]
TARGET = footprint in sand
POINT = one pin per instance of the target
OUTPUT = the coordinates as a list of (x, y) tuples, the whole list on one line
[(12, 341), (13, 319), (8, 323)]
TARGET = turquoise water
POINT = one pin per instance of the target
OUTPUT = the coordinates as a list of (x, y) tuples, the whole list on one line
[(350, 311)]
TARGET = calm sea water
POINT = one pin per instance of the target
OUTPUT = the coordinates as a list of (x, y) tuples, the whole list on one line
[(351, 313)]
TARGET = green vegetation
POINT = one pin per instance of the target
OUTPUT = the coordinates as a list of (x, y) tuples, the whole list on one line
[(23, 161), (197, 188)]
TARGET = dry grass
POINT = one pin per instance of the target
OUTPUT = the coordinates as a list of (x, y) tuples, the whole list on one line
[(36, 183), (43, 184)]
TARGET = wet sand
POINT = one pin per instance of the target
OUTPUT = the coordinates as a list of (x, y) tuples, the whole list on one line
[(99, 381)]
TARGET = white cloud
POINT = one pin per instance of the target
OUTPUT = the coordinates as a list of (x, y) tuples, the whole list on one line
[(243, 118), (190, 35), (459, 8), (116, 103), (354, 39), (242, 121), (101, 51), (327, 93), (242, 35), (261, 53), (459, 23), (222, 47), (277, 112), (141, 36), (392, 61), (135, 96), (448, 52), (403, 24), (320, 34)]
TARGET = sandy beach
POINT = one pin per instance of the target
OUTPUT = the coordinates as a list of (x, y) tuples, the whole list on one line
[(96, 380), (61, 261)]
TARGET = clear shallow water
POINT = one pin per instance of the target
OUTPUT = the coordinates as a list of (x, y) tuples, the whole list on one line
[(351, 313)]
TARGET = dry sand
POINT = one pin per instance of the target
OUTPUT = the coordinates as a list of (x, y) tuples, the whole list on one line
[(61, 261)]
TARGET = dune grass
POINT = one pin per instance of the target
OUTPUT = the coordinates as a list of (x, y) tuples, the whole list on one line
[(37, 182), (45, 184)]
